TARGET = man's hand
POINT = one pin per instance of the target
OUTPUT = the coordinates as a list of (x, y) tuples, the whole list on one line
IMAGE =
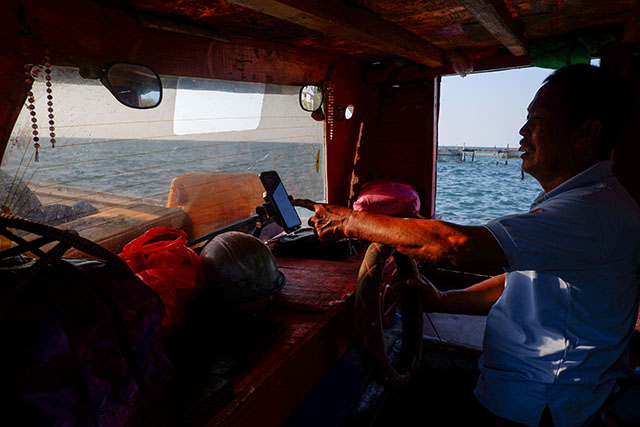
[(431, 297), (328, 220)]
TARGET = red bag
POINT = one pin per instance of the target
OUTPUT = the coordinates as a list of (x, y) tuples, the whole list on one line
[(168, 267)]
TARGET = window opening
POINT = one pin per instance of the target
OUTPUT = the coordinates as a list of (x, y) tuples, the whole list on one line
[(484, 111), (109, 157)]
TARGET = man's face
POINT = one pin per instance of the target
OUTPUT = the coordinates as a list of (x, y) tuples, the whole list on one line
[(546, 140)]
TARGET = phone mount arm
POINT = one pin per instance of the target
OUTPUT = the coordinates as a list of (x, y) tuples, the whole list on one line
[(266, 215), (263, 220)]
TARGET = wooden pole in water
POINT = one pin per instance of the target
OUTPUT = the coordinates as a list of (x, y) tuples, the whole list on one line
[(506, 156), (473, 156), (497, 154), (463, 144)]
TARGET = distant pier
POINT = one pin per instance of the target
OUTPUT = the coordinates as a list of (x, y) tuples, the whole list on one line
[(465, 153)]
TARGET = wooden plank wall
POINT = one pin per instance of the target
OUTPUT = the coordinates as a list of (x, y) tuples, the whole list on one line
[(13, 88), (401, 144), (342, 135)]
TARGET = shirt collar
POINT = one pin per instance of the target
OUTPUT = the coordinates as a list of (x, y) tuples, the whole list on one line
[(597, 172)]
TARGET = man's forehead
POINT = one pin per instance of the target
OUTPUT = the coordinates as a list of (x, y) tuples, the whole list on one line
[(547, 98)]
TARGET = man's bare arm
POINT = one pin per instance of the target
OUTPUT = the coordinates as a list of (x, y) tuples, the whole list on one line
[(476, 299), (438, 243)]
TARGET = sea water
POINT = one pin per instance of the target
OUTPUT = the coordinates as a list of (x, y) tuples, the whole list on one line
[(472, 193)]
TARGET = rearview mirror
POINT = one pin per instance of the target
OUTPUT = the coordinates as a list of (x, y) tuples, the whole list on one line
[(134, 85), (311, 98)]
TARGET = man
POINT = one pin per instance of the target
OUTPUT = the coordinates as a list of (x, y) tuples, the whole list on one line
[(561, 316)]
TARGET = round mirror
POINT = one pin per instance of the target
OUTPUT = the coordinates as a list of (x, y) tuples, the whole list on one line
[(311, 97), (134, 85)]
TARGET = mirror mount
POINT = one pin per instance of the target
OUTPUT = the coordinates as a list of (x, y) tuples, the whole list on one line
[(318, 115), (91, 71)]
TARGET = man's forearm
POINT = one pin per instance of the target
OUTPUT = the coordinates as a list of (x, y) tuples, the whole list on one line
[(477, 299), (434, 242)]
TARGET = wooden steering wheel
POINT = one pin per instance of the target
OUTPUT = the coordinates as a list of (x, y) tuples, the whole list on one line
[(369, 322)]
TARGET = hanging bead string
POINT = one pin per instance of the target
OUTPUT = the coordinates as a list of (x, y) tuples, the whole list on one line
[(32, 111), (47, 70), (32, 108)]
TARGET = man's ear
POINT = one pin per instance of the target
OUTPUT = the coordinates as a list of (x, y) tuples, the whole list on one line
[(589, 134)]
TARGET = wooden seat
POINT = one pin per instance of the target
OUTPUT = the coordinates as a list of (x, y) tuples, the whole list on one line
[(214, 200)]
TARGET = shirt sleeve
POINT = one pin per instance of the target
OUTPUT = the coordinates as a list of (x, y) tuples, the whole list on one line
[(561, 233)]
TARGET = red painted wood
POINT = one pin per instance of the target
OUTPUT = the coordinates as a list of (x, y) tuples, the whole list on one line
[(402, 144), (271, 385), (298, 324), (13, 88), (317, 285), (429, 209), (414, 72), (268, 390), (100, 35), (348, 89), (351, 24)]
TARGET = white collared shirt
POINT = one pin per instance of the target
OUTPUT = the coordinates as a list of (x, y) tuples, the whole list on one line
[(558, 334)]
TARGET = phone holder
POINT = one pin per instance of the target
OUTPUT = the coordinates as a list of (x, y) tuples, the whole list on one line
[(266, 215)]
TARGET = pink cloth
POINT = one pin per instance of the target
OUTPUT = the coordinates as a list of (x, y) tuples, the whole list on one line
[(388, 198)]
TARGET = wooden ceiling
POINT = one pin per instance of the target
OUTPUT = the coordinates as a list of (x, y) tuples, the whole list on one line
[(423, 31)]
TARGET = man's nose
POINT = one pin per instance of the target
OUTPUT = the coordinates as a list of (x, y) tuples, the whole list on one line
[(524, 130)]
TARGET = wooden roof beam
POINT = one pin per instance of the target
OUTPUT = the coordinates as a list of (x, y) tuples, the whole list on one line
[(494, 16), (351, 23)]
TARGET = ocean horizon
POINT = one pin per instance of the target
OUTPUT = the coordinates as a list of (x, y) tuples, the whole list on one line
[(467, 192)]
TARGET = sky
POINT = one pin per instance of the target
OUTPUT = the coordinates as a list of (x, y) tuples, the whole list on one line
[(487, 109)]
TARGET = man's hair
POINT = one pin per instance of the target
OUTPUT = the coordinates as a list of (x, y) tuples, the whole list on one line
[(590, 92)]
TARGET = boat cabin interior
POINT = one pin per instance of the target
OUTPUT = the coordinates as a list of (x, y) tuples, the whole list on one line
[(119, 116)]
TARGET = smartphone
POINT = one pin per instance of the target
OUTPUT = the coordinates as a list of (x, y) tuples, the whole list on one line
[(287, 215)]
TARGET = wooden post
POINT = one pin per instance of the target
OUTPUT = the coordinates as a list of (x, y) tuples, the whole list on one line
[(506, 156), (497, 154), (473, 156), (463, 153)]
